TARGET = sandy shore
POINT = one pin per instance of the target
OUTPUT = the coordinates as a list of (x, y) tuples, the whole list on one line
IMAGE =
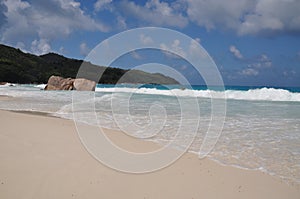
[(42, 157), (4, 97)]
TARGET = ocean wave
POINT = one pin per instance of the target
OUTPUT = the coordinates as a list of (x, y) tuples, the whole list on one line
[(262, 94), (8, 85), (41, 86), (259, 94)]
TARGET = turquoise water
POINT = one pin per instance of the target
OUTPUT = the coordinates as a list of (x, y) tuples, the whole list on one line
[(261, 129)]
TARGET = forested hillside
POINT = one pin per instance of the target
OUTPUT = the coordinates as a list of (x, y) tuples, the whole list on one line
[(19, 67)]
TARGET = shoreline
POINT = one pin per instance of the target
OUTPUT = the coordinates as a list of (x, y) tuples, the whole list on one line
[(48, 160), (156, 145), (5, 97), (37, 113)]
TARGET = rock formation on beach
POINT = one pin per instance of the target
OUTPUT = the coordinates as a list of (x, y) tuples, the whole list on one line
[(82, 84), (60, 83)]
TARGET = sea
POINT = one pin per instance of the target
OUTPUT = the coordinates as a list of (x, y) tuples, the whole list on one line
[(260, 126)]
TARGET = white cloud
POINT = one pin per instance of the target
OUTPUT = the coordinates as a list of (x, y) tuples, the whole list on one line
[(84, 49), (259, 64), (249, 72), (235, 52), (264, 57), (154, 12), (265, 60), (217, 13), (2, 16), (272, 16), (121, 22), (246, 16), (161, 7), (136, 55), (62, 50), (174, 47), (262, 62), (192, 51), (183, 67), (16, 27), (101, 4), (14, 5), (45, 20), (40, 47), (289, 73), (145, 39), (20, 45), (195, 50), (198, 40)]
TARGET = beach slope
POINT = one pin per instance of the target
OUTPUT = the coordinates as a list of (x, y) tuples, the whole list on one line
[(42, 157)]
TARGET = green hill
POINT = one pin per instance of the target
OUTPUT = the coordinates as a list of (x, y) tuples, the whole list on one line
[(19, 67)]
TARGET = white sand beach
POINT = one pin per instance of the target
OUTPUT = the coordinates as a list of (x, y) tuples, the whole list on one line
[(42, 157)]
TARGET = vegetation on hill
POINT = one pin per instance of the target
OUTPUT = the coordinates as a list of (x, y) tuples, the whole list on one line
[(19, 67)]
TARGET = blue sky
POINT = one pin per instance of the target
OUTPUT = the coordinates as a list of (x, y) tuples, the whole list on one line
[(252, 42)]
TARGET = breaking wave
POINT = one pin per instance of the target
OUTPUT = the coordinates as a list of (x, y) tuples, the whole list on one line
[(265, 94)]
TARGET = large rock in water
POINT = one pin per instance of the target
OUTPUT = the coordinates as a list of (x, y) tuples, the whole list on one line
[(60, 83), (82, 84)]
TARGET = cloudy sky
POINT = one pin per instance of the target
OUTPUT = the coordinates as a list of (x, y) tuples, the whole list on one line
[(253, 42)]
